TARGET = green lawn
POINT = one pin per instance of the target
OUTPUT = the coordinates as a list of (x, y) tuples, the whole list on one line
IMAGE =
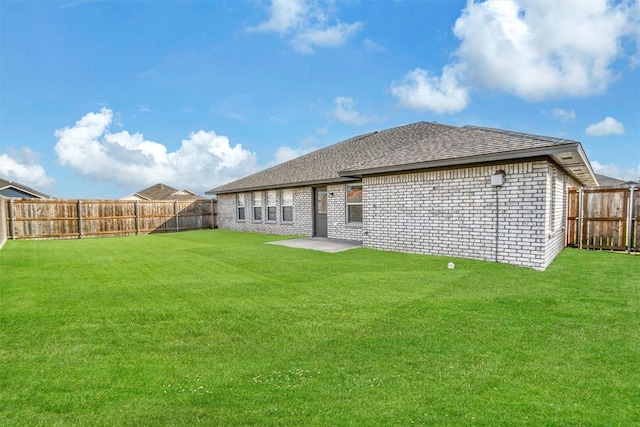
[(217, 328)]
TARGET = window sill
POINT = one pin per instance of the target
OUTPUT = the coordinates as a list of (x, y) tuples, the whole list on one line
[(353, 225)]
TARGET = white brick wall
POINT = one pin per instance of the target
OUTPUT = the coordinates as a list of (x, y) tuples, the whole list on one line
[(302, 223), (557, 190), (337, 226), (453, 212), (445, 212)]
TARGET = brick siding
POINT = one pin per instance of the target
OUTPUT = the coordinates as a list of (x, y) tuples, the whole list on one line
[(337, 226), (453, 213), (301, 225), (446, 212)]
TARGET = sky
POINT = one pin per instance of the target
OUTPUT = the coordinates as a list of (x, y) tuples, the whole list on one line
[(100, 99)]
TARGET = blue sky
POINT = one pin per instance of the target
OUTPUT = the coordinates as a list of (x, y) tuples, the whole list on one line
[(99, 99)]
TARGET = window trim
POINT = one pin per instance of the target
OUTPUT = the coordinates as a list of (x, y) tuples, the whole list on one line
[(283, 205), (256, 208), (348, 204), (273, 206), (239, 199)]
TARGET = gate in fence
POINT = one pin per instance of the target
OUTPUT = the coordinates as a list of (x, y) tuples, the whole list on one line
[(604, 218)]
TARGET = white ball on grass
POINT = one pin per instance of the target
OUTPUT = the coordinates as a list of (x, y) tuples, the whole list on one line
[(451, 266)]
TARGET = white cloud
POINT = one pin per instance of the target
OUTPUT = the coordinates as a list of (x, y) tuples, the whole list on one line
[(533, 49), (285, 153), (335, 36), (608, 126), (542, 49), (420, 91), (372, 46), (203, 161), (625, 174), (285, 15), (144, 108), (24, 169), (564, 115), (346, 113), (306, 24), (235, 116)]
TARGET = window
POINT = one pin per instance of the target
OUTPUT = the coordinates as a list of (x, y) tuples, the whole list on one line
[(257, 206), (354, 203), (271, 206), (286, 198), (240, 206)]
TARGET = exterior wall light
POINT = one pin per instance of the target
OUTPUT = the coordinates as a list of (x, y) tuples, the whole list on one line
[(497, 179)]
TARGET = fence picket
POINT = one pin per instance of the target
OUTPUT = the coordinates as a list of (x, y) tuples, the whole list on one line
[(604, 219), (55, 219)]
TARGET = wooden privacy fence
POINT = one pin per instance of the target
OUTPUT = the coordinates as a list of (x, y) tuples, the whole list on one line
[(59, 219), (604, 219)]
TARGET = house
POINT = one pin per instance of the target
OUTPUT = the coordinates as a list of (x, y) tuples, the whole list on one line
[(13, 190), (162, 192), (609, 182), (427, 188)]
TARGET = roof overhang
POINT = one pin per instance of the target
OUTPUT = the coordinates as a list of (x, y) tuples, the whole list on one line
[(570, 157), (217, 191)]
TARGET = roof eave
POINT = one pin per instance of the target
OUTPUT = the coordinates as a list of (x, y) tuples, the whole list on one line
[(584, 178), (217, 191), (589, 178)]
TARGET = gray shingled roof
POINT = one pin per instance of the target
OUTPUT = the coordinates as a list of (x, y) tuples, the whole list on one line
[(420, 145), (468, 142), (607, 181), (6, 184), (323, 165)]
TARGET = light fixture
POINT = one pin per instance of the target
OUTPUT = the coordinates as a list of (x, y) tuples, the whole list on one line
[(497, 179)]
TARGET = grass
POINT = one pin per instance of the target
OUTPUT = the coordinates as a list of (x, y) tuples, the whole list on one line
[(217, 328)]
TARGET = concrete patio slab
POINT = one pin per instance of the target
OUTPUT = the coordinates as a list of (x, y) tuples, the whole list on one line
[(319, 244)]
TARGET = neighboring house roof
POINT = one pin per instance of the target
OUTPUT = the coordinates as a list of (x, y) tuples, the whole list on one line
[(162, 192), (16, 190), (422, 145), (607, 181)]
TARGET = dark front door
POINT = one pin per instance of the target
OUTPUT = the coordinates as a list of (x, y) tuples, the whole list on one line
[(320, 212)]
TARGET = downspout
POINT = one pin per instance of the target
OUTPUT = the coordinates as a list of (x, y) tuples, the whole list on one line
[(630, 219), (497, 221), (497, 180), (579, 220)]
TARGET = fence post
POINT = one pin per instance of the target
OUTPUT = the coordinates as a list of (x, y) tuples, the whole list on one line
[(79, 218), (630, 219), (175, 212), (12, 219), (136, 209)]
